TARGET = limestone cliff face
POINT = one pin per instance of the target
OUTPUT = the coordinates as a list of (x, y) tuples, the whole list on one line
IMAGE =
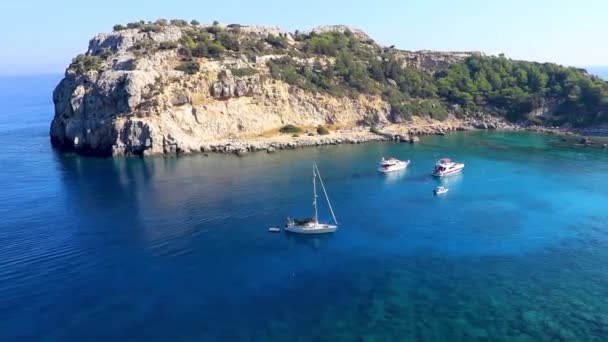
[(134, 103)]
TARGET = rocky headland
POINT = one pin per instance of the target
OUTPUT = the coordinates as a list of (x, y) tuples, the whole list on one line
[(178, 87)]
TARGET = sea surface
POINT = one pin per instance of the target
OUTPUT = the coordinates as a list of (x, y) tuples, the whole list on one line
[(177, 249), (601, 71)]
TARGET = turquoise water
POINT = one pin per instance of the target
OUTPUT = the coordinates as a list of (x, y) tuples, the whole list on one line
[(177, 248)]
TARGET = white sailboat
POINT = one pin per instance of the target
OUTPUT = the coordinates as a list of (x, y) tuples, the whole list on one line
[(312, 225)]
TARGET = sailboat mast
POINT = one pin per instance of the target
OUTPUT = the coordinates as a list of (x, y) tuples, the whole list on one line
[(314, 189), (324, 192)]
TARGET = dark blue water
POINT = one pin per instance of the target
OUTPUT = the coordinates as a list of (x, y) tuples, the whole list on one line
[(178, 249)]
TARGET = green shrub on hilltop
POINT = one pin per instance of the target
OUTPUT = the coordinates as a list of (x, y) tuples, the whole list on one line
[(84, 63), (162, 22), (228, 40), (200, 43), (277, 42), (151, 28), (215, 49), (327, 43), (236, 28), (143, 26), (136, 25), (143, 47), (284, 69), (189, 67), (215, 29), (167, 45), (244, 72), (179, 22)]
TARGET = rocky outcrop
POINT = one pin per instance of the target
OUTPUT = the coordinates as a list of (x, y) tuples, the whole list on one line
[(150, 108), (128, 97), (431, 61), (242, 148), (137, 103), (228, 86), (342, 29)]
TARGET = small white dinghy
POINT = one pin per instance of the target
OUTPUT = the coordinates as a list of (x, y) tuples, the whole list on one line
[(440, 190), (274, 230)]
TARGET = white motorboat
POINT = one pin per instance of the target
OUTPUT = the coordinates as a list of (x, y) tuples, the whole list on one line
[(440, 190), (274, 230), (392, 164), (312, 225), (446, 167)]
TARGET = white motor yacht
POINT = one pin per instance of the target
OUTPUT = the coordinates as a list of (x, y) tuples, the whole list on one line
[(392, 164), (446, 167)]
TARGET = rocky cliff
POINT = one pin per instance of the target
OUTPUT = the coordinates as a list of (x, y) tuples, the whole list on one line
[(143, 90)]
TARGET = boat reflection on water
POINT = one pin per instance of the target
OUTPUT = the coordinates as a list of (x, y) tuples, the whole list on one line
[(312, 241), (452, 180), (394, 176)]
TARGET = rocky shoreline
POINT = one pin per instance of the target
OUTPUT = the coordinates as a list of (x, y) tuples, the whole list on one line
[(242, 147), (397, 132)]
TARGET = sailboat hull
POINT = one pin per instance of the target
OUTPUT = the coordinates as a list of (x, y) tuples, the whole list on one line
[(313, 228)]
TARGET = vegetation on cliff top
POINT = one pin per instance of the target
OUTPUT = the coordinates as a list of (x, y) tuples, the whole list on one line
[(478, 84), (514, 88), (346, 64), (84, 63)]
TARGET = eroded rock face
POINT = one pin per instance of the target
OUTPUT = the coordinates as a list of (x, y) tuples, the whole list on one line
[(121, 41), (228, 86), (140, 105), (433, 60)]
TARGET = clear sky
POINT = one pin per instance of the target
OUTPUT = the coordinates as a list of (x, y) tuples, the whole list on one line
[(41, 36)]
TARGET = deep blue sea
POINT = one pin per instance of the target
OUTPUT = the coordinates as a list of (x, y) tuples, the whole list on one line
[(177, 249)]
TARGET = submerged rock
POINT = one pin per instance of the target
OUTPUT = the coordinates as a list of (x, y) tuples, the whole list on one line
[(585, 141)]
